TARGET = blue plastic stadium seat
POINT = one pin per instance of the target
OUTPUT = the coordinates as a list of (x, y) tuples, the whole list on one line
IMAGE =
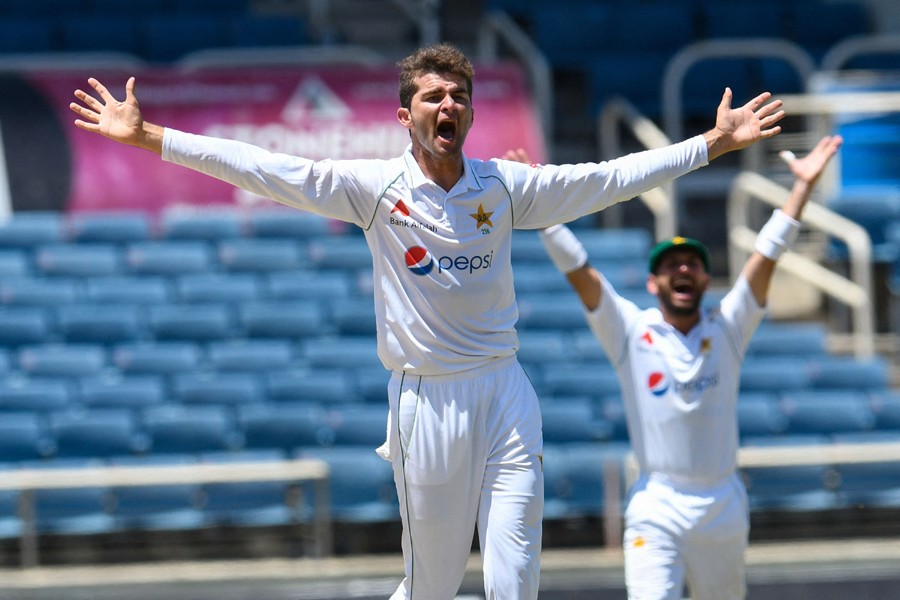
[(41, 394), (96, 433), (78, 260), (872, 207), (157, 507), (250, 355), (30, 229), (24, 436), (118, 390), (291, 224), (259, 255), (283, 319), (371, 383), (108, 227), (227, 389), (586, 349), (568, 42), (869, 484), (309, 285), (129, 289), (61, 360), (324, 385), (39, 291), (341, 352), (346, 253), (827, 411), (544, 347), (191, 322), (799, 339), (790, 488), (759, 414), (169, 257), (105, 324), (886, 409), (574, 479), (362, 484), (358, 424), (354, 316), (573, 420), (252, 503), (15, 262), (26, 34), (209, 226), (10, 523), (254, 30), (741, 18), (576, 380), (80, 511), (613, 412), (285, 426), (775, 374), (538, 277), (24, 325), (157, 357), (560, 310), (179, 429), (170, 37), (830, 371), (217, 287)]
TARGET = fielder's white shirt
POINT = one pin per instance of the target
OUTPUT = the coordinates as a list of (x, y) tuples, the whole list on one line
[(680, 391), (444, 298)]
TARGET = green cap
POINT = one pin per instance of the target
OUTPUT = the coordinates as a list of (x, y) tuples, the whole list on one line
[(678, 242)]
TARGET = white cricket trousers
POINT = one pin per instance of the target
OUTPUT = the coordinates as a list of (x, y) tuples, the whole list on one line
[(676, 532), (466, 451)]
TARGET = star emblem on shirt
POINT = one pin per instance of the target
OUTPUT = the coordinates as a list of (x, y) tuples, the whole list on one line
[(705, 345), (482, 217)]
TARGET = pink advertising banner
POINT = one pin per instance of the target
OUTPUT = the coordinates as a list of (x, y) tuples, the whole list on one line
[(315, 112)]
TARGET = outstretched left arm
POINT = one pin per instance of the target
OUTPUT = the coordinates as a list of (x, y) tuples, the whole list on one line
[(781, 230)]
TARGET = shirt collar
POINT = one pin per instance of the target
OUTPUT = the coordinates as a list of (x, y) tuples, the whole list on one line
[(468, 181)]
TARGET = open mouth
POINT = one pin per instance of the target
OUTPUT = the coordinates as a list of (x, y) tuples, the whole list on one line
[(447, 130)]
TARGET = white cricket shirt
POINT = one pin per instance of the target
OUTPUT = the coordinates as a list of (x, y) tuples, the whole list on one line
[(680, 391), (444, 298)]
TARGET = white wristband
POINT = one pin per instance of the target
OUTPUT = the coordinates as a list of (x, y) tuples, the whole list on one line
[(566, 252), (777, 235)]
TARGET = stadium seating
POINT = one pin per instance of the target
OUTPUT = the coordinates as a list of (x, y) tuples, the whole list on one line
[(182, 429), (325, 386), (286, 426), (85, 324), (254, 503), (80, 511), (24, 325), (96, 433), (23, 436), (217, 388), (156, 507), (362, 483)]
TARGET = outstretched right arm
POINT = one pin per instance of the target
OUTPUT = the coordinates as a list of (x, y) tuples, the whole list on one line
[(570, 258), (118, 121)]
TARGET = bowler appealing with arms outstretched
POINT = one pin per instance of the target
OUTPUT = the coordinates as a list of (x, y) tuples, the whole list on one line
[(464, 422)]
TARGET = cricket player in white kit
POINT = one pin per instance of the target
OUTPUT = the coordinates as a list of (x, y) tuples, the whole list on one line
[(687, 518), (464, 423)]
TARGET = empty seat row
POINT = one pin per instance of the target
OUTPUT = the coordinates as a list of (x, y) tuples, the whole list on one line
[(361, 486), (169, 429)]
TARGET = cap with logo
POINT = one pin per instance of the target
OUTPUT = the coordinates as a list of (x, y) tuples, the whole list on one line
[(677, 242)]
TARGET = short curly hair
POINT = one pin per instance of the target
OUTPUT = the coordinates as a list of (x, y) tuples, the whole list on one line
[(437, 58)]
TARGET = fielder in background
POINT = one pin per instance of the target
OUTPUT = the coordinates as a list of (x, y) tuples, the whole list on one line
[(687, 518), (464, 425)]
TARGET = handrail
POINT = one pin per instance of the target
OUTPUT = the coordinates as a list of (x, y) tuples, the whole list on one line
[(691, 54), (841, 53), (659, 200), (28, 481), (498, 25), (857, 292)]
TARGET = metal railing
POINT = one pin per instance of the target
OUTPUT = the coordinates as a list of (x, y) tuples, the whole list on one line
[(619, 112), (857, 291), (28, 482)]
